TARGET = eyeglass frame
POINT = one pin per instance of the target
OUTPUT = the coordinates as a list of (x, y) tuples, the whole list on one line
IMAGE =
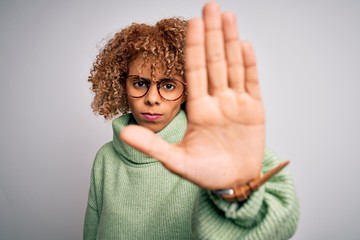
[(157, 86)]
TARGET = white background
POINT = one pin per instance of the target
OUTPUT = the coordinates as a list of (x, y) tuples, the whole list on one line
[(309, 60)]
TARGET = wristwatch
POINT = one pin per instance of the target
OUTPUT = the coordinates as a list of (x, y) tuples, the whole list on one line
[(241, 192)]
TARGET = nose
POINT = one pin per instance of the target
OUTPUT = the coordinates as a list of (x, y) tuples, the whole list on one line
[(152, 97)]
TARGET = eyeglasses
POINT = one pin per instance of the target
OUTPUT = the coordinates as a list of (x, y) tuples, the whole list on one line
[(169, 89)]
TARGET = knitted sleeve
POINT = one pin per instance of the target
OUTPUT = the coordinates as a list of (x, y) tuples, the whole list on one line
[(91, 221), (272, 212)]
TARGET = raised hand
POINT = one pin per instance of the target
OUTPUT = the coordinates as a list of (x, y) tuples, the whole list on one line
[(224, 142)]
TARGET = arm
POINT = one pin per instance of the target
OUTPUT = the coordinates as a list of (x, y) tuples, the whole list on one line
[(225, 139), (271, 212), (92, 215)]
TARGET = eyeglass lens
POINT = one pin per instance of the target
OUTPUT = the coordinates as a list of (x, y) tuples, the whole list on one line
[(168, 88)]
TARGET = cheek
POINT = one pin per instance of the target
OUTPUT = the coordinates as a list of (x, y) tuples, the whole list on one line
[(132, 103), (176, 105)]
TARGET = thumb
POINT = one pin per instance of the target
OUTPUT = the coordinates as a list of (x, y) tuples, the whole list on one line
[(149, 143)]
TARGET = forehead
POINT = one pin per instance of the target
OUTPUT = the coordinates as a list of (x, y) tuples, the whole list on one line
[(149, 67)]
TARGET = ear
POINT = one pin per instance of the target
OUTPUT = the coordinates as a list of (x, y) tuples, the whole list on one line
[(183, 98), (183, 104)]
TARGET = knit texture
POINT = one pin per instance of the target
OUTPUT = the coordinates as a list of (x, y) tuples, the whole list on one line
[(132, 196), (270, 213)]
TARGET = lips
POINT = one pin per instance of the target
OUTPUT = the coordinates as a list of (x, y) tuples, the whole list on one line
[(151, 116)]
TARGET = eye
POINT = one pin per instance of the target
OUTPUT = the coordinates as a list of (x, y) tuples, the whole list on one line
[(168, 85), (140, 83)]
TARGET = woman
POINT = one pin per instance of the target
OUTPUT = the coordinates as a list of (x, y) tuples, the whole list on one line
[(158, 178)]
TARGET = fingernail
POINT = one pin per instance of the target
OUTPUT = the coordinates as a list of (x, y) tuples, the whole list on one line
[(212, 7)]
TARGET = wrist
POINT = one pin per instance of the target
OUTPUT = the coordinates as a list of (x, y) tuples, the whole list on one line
[(241, 192)]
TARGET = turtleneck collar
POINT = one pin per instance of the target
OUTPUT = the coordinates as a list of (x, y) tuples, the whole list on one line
[(172, 133)]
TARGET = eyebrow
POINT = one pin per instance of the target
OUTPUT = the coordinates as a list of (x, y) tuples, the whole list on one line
[(161, 79)]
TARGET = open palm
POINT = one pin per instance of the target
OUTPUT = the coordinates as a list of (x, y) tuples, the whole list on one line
[(224, 141)]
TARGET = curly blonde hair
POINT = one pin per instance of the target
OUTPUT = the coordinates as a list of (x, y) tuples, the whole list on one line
[(162, 43)]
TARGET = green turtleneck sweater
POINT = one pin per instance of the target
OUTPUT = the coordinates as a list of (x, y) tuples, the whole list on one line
[(132, 196)]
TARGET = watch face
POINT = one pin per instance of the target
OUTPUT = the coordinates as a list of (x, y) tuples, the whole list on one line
[(221, 192)]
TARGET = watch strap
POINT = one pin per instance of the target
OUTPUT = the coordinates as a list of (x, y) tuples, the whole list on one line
[(241, 192)]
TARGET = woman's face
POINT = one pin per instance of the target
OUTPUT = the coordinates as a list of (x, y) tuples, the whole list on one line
[(151, 110)]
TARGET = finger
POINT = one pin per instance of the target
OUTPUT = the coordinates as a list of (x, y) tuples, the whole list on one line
[(235, 65), (147, 142), (251, 74), (195, 62), (215, 54)]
